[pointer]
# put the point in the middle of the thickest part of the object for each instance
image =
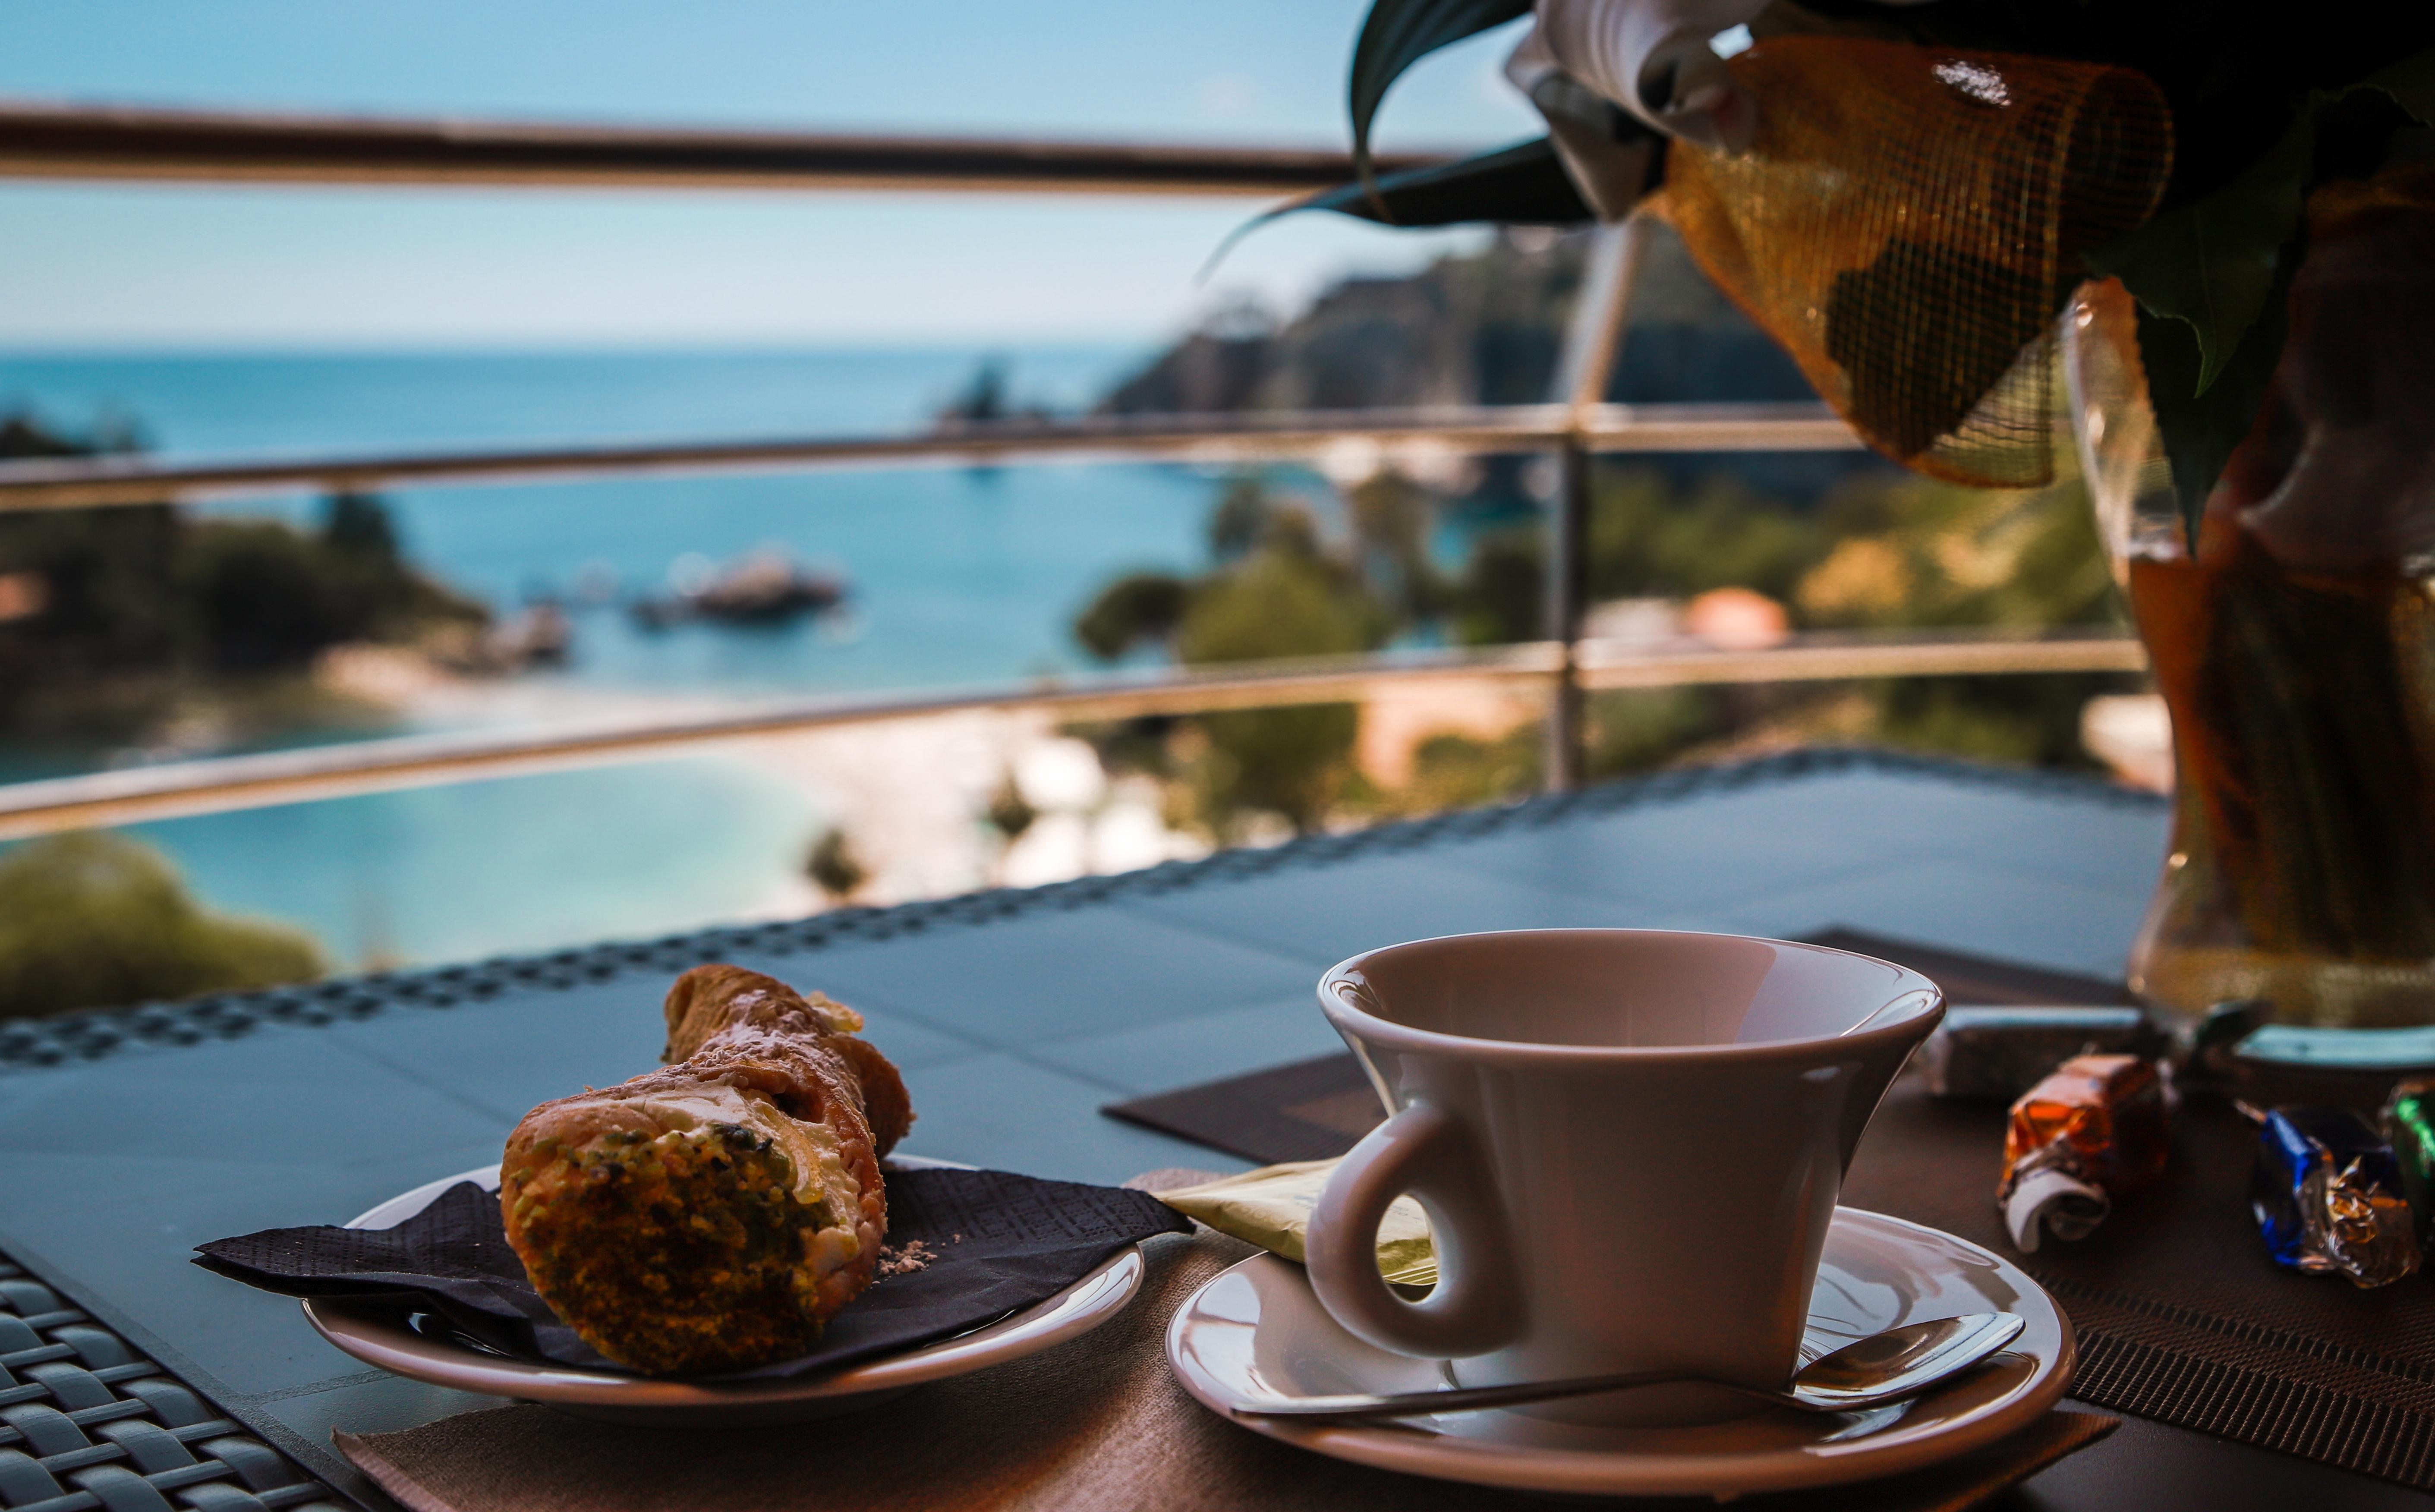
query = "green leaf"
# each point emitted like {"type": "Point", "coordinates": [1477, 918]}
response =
{"type": "Point", "coordinates": [1400, 33]}
{"type": "Point", "coordinates": [2211, 264]}
{"type": "Point", "coordinates": [1521, 185]}
{"type": "Point", "coordinates": [2411, 84]}
{"type": "Point", "coordinates": [2202, 430]}
{"type": "Point", "coordinates": [2211, 278]}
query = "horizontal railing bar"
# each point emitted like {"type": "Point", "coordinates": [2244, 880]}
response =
{"type": "Point", "coordinates": [90, 481]}
{"type": "Point", "coordinates": [220, 785]}
{"type": "Point", "coordinates": [39, 140]}
{"type": "Point", "coordinates": [1604, 664]}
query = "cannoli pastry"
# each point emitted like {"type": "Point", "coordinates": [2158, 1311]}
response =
{"type": "Point", "coordinates": [714, 1213]}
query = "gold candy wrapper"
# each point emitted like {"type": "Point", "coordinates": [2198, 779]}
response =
{"type": "Point", "coordinates": [1271, 1207]}
{"type": "Point", "coordinates": [2097, 1128]}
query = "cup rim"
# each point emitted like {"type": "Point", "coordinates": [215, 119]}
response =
{"type": "Point", "coordinates": [1336, 1001]}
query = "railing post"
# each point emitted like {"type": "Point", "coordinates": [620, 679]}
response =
{"type": "Point", "coordinates": [1582, 367]}
{"type": "Point", "coordinates": [1567, 590]}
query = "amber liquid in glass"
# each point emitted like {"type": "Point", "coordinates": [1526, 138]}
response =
{"type": "Point", "coordinates": [2303, 865]}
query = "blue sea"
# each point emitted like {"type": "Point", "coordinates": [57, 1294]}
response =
{"type": "Point", "coordinates": [960, 576]}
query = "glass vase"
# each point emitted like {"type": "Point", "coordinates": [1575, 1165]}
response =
{"type": "Point", "coordinates": [2294, 644]}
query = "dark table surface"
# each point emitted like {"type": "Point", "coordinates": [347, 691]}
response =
{"type": "Point", "coordinates": [125, 1140]}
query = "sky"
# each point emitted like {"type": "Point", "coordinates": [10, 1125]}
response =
{"type": "Point", "coordinates": [154, 267]}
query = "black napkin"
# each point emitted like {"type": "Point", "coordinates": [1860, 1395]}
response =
{"type": "Point", "coordinates": [964, 1248]}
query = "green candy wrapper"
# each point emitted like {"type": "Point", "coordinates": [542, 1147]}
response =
{"type": "Point", "coordinates": [2408, 1127]}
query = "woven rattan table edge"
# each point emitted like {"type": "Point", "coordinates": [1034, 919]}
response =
{"type": "Point", "coordinates": [331, 1478]}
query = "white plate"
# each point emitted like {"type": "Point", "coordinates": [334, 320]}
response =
{"type": "Point", "coordinates": [378, 1336]}
{"type": "Point", "coordinates": [1257, 1328]}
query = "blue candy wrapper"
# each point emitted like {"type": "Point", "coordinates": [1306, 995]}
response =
{"type": "Point", "coordinates": [2327, 1196]}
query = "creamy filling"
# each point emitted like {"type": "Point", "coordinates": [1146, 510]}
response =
{"type": "Point", "coordinates": [822, 1181]}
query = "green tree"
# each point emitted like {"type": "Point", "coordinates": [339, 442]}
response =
{"type": "Point", "coordinates": [262, 598]}
{"type": "Point", "coordinates": [1137, 608]}
{"type": "Point", "coordinates": [135, 599]}
{"type": "Point", "coordinates": [1918, 554]}
{"type": "Point", "coordinates": [1646, 538]}
{"type": "Point", "coordinates": [358, 526]}
{"type": "Point", "coordinates": [1239, 518]}
{"type": "Point", "coordinates": [1392, 517]}
{"type": "Point", "coordinates": [1453, 771]}
{"type": "Point", "coordinates": [96, 920]}
{"type": "Point", "coordinates": [834, 867]}
{"type": "Point", "coordinates": [1277, 603]}
{"type": "Point", "coordinates": [1499, 598]}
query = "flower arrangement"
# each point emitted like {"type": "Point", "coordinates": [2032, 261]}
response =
{"type": "Point", "coordinates": [2234, 201]}
{"type": "Point", "coordinates": [2225, 117]}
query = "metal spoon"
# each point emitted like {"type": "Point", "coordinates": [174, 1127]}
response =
{"type": "Point", "coordinates": [1870, 1372]}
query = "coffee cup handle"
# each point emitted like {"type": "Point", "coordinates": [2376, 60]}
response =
{"type": "Point", "coordinates": [1474, 1306]}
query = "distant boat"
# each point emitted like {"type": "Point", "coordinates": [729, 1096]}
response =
{"type": "Point", "coordinates": [538, 635]}
{"type": "Point", "coordinates": [764, 587]}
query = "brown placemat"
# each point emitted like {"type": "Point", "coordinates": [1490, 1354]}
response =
{"type": "Point", "coordinates": [2180, 1315]}
{"type": "Point", "coordinates": [1098, 1425]}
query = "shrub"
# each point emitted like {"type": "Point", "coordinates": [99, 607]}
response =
{"type": "Point", "coordinates": [834, 867]}
{"type": "Point", "coordinates": [95, 920]}
{"type": "Point", "coordinates": [1136, 609]}
{"type": "Point", "coordinates": [1276, 604]}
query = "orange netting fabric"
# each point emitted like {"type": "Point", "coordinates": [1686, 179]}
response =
{"type": "Point", "coordinates": [1909, 224]}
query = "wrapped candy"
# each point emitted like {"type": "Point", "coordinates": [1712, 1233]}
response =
{"type": "Point", "coordinates": [1995, 1055]}
{"type": "Point", "coordinates": [2096, 1130]}
{"type": "Point", "coordinates": [2327, 1196]}
{"type": "Point", "coordinates": [2408, 1124]}
{"type": "Point", "coordinates": [1271, 1207]}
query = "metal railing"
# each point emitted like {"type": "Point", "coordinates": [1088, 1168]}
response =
{"type": "Point", "coordinates": [216, 784]}
{"type": "Point", "coordinates": [43, 141]}
{"type": "Point", "coordinates": [52, 142]}
{"type": "Point", "coordinates": [87, 482]}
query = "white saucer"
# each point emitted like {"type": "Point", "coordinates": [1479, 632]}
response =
{"type": "Point", "coordinates": [378, 1336]}
{"type": "Point", "coordinates": [1258, 1329]}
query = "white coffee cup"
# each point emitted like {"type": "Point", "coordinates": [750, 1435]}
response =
{"type": "Point", "coordinates": [1629, 1144]}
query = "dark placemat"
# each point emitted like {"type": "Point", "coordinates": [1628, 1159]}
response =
{"type": "Point", "coordinates": [1313, 1110]}
{"type": "Point", "coordinates": [964, 1248]}
{"type": "Point", "coordinates": [1309, 1110]}
{"type": "Point", "coordinates": [2181, 1316]}
{"type": "Point", "coordinates": [1979, 980]}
